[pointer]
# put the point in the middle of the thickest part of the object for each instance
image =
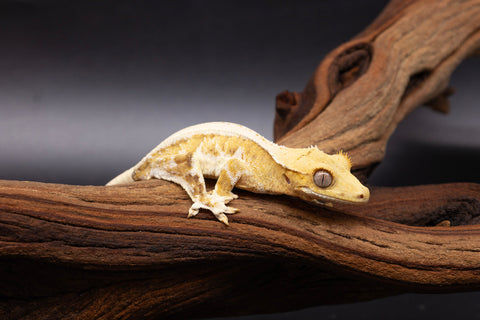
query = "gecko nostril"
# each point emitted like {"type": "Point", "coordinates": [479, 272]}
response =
{"type": "Point", "coordinates": [361, 196]}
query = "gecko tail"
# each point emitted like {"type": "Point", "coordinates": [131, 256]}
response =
{"type": "Point", "coordinates": [123, 178]}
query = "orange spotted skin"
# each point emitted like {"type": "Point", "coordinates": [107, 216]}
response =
{"type": "Point", "coordinates": [239, 157]}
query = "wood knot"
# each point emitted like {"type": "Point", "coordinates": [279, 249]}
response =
{"type": "Point", "coordinates": [289, 110]}
{"type": "Point", "coordinates": [286, 102]}
{"type": "Point", "coordinates": [439, 102]}
{"type": "Point", "coordinates": [348, 66]}
{"type": "Point", "coordinates": [415, 81]}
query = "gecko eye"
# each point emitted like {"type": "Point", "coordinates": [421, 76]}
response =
{"type": "Point", "coordinates": [322, 178]}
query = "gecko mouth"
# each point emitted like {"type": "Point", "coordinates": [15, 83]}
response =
{"type": "Point", "coordinates": [321, 198]}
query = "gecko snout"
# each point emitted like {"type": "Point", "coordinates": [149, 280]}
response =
{"type": "Point", "coordinates": [364, 195]}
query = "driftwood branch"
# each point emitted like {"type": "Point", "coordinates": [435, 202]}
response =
{"type": "Point", "coordinates": [402, 60]}
{"type": "Point", "coordinates": [112, 251]}
{"type": "Point", "coordinates": [129, 251]}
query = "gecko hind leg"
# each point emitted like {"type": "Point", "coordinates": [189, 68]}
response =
{"type": "Point", "coordinates": [216, 200]}
{"type": "Point", "coordinates": [193, 183]}
{"type": "Point", "coordinates": [229, 176]}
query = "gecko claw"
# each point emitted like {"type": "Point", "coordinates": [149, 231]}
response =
{"type": "Point", "coordinates": [193, 211]}
{"type": "Point", "coordinates": [222, 218]}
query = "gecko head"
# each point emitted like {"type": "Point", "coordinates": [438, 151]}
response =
{"type": "Point", "coordinates": [326, 179]}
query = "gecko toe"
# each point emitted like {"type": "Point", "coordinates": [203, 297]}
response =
{"type": "Point", "coordinates": [225, 198]}
{"type": "Point", "coordinates": [222, 218]}
{"type": "Point", "coordinates": [215, 204]}
{"type": "Point", "coordinates": [193, 211]}
{"type": "Point", "coordinates": [231, 210]}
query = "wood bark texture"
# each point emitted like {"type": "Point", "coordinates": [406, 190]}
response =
{"type": "Point", "coordinates": [365, 87]}
{"type": "Point", "coordinates": [128, 252]}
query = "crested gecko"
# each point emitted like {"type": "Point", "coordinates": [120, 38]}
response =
{"type": "Point", "coordinates": [239, 157]}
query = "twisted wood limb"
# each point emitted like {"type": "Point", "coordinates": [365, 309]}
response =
{"type": "Point", "coordinates": [94, 251]}
{"type": "Point", "coordinates": [129, 251]}
{"type": "Point", "coordinates": [365, 87]}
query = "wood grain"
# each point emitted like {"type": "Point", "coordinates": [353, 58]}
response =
{"type": "Point", "coordinates": [94, 246]}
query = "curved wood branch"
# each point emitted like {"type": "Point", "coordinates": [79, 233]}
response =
{"type": "Point", "coordinates": [129, 251]}
{"type": "Point", "coordinates": [137, 252]}
{"type": "Point", "coordinates": [403, 60]}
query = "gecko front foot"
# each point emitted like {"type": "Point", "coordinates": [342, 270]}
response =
{"type": "Point", "coordinates": [215, 203]}
{"type": "Point", "coordinates": [218, 211]}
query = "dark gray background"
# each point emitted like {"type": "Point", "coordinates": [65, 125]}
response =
{"type": "Point", "coordinates": [88, 87]}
